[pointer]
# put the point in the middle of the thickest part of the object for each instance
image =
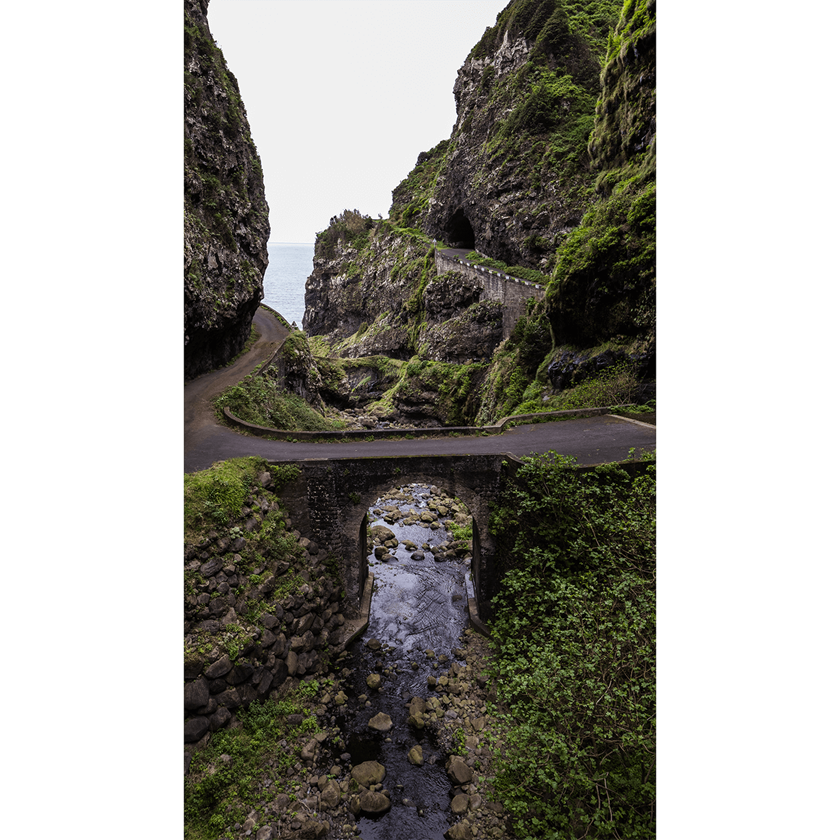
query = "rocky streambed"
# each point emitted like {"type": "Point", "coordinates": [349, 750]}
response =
{"type": "Point", "coordinates": [393, 740]}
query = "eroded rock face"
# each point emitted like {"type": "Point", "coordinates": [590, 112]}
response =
{"type": "Point", "coordinates": [225, 213]}
{"type": "Point", "coordinates": [497, 184]}
{"type": "Point", "coordinates": [366, 282]}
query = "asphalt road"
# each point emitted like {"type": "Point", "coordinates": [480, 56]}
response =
{"type": "Point", "coordinates": [592, 440]}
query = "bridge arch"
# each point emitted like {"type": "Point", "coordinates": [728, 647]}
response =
{"type": "Point", "coordinates": [452, 488]}
{"type": "Point", "coordinates": [331, 499]}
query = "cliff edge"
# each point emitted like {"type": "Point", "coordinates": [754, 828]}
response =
{"type": "Point", "coordinates": [225, 212]}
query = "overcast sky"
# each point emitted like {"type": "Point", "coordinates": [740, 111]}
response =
{"type": "Point", "coordinates": [342, 95]}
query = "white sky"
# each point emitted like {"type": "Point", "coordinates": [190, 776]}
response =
{"type": "Point", "coordinates": [342, 95]}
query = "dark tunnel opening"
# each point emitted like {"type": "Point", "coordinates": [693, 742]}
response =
{"type": "Point", "coordinates": [459, 231]}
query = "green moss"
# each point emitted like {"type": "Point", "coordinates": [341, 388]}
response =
{"type": "Point", "coordinates": [216, 495]}
{"type": "Point", "coordinates": [258, 399]}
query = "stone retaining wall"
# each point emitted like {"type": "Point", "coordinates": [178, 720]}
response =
{"type": "Point", "coordinates": [512, 292]}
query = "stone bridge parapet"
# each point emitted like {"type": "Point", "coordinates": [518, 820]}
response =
{"type": "Point", "coordinates": [330, 500]}
{"type": "Point", "coordinates": [512, 292]}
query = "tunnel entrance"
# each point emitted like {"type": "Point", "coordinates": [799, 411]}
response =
{"type": "Point", "coordinates": [459, 231]}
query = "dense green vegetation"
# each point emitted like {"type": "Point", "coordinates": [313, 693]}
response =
{"type": "Point", "coordinates": [258, 399]}
{"type": "Point", "coordinates": [413, 194]}
{"type": "Point", "coordinates": [574, 640]}
{"type": "Point", "coordinates": [349, 227]}
{"type": "Point", "coordinates": [231, 772]}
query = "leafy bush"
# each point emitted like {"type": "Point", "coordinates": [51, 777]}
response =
{"type": "Point", "coordinates": [614, 386]}
{"type": "Point", "coordinates": [350, 226]}
{"type": "Point", "coordinates": [574, 639]}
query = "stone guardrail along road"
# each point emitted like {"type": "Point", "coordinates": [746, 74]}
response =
{"type": "Point", "coordinates": [467, 467]}
{"type": "Point", "coordinates": [592, 440]}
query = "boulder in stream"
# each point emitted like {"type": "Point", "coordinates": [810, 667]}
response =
{"type": "Point", "coordinates": [415, 755]}
{"type": "Point", "coordinates": [380, 722]}
{"type": "Point", "coordinates": [368, 773]}
{"type": "Point", "coordinates": [373, 802]}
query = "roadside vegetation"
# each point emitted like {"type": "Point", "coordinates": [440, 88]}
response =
{"type": "Point", "coordinates": [258, 399]}
{"type": "Point", "coordinates": [514, 270]}
{"type": "Point", "coordinates": [574, 645]}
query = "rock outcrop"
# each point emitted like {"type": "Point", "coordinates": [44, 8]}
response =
{"type": "Point", "coordinates": [550, 168]}
{"type": "Point", "coordinates": [225, 213]}
{"type": "Point", "coordinates": [509, 181]}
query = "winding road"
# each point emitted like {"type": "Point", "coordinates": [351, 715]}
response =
{"type": "Point", "coordinates": [592, 440]}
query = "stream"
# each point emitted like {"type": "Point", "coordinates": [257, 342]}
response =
{"type": "Point", "coordinates": [418, 612]}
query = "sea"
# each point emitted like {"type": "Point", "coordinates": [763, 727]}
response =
{"type": "Point", "coordinates": [284, 283]}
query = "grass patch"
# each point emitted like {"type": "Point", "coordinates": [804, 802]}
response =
{"type": "Point", "coordinates": [257, 399]}
{"type": "Point", "coordinates": [228, 777]}
{"type": "Point", "coordinates": [214, 496]}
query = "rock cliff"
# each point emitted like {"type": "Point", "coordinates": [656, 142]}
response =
{"type": "Point", "coordinates": [225, 213]}
{"type": "Point", "coordinates": [511, 179]}
{"type": "Point", "coordinates": [550, 168]}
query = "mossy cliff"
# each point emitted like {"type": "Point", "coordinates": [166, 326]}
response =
{"type": "Point", "coordinates": [225, 213]}
{"type": "Point", "coordinates": [511, 179]}
{"type": "Point", "coordinates": [550, 166]}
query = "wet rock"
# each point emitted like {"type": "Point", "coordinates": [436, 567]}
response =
{"type": "Point", "coordinates": [415, 755]}
{"type": "Point", "coordinates": [373, 802]}
{"type": "Point", "coordinates": [368, 773]}
{"type": "Point", "coordinates": [374, 681]}
{"type": "Point", "coordinates": [417, 705]}
{"type": "Point", "coordinates": [373, 644]}
{"type": "Point", "coordinates": [460, 804]}
{"type": "Point", "coordinates": [417, 721]}
{"type": "Point", "coordinates": [380, 722]}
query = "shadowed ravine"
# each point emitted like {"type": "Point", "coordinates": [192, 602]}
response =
{"type": "Point", "coordinates": [418, 612]}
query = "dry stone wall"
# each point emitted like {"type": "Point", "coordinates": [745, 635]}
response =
{"type": "Point", "coordinates": [262, 607]}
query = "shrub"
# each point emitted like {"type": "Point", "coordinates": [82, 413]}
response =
{"type": "Point", "coordinates": [574, 639]}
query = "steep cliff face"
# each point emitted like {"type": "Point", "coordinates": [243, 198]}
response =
{"type": "Point", "coordinates": [374, 291]}
{"type": "Point", "coordinates": [511, 180]}
{"type": "Point", "coordinates": [551, 165]}
{"type": "Point", "coordinates": [604, 283]}
{"type": "Point", "coordinates": [225, 213]}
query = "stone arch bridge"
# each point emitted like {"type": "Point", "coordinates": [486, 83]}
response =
{"type": "Point", "coordinates": [329, 502]}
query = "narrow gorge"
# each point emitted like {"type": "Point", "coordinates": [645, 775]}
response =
{"type": "Point", "coordinates": [339, 681]}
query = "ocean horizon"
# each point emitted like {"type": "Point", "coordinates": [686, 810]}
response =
{"type": "Point", "coordinates": [284, 283]}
